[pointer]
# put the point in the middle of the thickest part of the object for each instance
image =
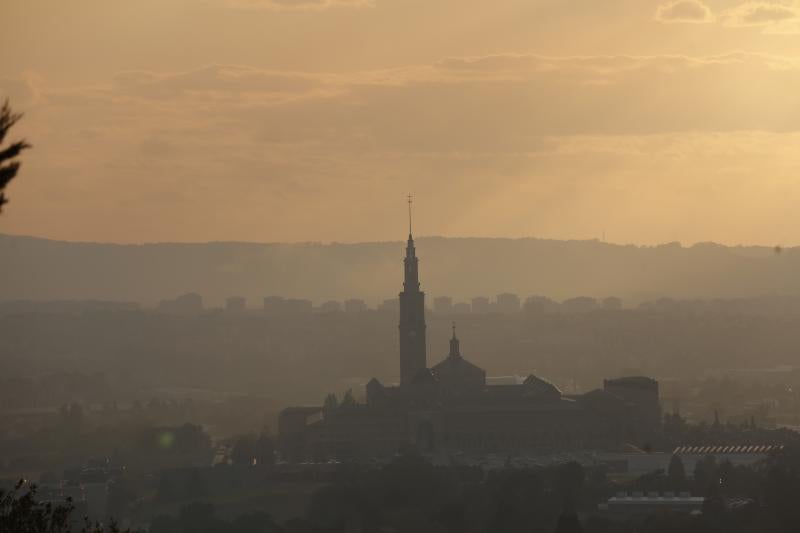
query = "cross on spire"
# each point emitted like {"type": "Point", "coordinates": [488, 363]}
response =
{"type": "Point", "coordinates": [455, 349]}
{"type": "Point", "coordinates": [409, 213]}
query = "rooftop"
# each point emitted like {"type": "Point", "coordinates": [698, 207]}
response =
{"type": "Point", "coordinates": [736, 449]}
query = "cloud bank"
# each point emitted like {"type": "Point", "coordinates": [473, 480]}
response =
{"type": "Point", "coordinates": [559, 142]}
{"type": "Point", "coordinates": [688, 11]}
{"type": "Point", "coordinates": [775, 18]}
{"type": "Point", "coordinates": [297, 5]}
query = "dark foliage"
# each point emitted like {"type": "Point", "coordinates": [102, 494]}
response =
{"type": "Point", "coordinates": [568, 523]}
{"type": "Point", "coordinates": [21, 512]}
{"type": "Point", "coordinates": [676, 471]}
{"type": "Point", "coordinates": [8, 166]}
{"type": "Point", "coordinates": [202, 518]}
{"type": "Point", "coordinates": [253, 450]}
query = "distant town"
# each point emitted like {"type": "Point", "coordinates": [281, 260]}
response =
{"type": "Point", "coordinates": [622, 411]}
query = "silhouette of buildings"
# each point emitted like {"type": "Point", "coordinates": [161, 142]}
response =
{"type": "Point", "coordinates": [331, 306]}
{"type": "Point", "coordinates": [190, 303]}
{"type": "Point", "coordinates": [480, 304]}
{"type": "Point", "coordinates": [297, 306]}
{"type": "Point", "coordinates": [443, 305]}
{"type": "Point", "coordinates": [508, 303]}
{"type": "Point", "coordinates": [279, 306]}
{"type": "Point", "coordinates": [461, 308]}
{"type": "Point", "coordinates": [235, 304]}
{"type": "Point", "coordinates": [538, 305]}
{"type": "Point", "coordinates": [450, 408]}
{"type": "Point", "coordinates": [273, 305]}
{"type": "Point", "coordinates": [355, 305]}
{"type": "Point", "coordinates": [390, 305]}
{"type": "Point", "coordinates": [581, 304]}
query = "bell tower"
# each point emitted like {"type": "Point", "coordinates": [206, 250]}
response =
{"type": "Point", "coordinates": [413, 357]}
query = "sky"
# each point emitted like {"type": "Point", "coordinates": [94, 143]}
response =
{"type": "Point", "coordinates": [637, 121]}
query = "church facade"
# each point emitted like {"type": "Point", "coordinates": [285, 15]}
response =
{"type": "Point", "coordinates": [449, 408]}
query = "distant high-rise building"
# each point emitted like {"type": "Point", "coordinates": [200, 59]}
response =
{"type": "Point", "coordinates": [391, 305]}
{"type": "Point", "coordinates": [185, 304]}
{"type": "Point", "coordinates": [443, 305]}
{"type": "Point", "coordinates": [331, 306]}
{"type": "Point", "coordinates": [297, 306]}
{"type": "Point", "coordinates": [235, 304]}
{"type": "Point", "coordinates": [480, 304]}
{"type": "Point", "coordinates": [354, 305]}
{"type": "Point", "coordinates": [581, 304]}
{"type": "Point", "coordinates": [537, 305]}
{"type": "Point", "coordinates": [273, 305]}
{"type": "Point", "coordinates": [612, 303]}
{"type": "Point", "coordinates": [507, 303]}
{"type": "Point", "coordinates": [461, 308]}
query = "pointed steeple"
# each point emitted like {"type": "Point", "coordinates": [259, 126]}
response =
{"type": "Point", "coordinates": [411, 281]}
{"type": "Point", "coordinates": [409, 217]}
{"type": "Point", "coordinates": [413, 357]}
{"type": "Point", "coordinates": [455, 345]}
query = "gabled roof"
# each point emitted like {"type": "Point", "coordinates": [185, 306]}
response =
{"type": "Point", "coordinates": [534, 385]}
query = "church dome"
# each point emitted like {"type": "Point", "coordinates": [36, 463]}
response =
{"type": "Point", "coordinates": [425, 377]}
{"type": "Point", "coordinates": [456, 372]}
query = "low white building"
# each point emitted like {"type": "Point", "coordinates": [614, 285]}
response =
{"type": "Point", "coordinates": [744, 455]}
{"type": "Point", "coordinates": [639, 503]}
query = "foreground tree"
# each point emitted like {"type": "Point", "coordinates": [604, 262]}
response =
{"type": "Point", "coordinates": [568, 523]}
{"type": "Point", "coordinates": [676, 471]}
{"type": "Point", "coordinates": [20, 512]}
{"type": "Point", "coordinates": [8, 167]}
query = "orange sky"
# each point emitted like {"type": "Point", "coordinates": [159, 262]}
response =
{"type": "Point", "coordinates": [297, 120]}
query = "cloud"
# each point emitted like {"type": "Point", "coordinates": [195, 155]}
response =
{"type": "Point", "coordinates": [760, 14]}
{"type": "Point", "coordinates": [297, 5]}
{"type": "Point", "coordinates": [215, 80]}
{"type": "Point", "coordinates": [494, 103]}
{"type": "Point", "coordinates": [774, 18]}
{"type": "Point", "coordinates": [688, 11]}
{"type": "Point", "coordinates": [262, 148]}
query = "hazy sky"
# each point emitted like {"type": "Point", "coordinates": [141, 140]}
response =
{"type": "Point", "coordinates": [294, 120]}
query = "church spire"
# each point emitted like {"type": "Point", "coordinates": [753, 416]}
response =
{"type": "Point", "coordinates": [409, 216]}
{"type": "Point", "coordinates": [411, 279]}
{"type": "Point", "coordinates": [455, 345]}
{"type": "Point", "coordinates": [413, 357]}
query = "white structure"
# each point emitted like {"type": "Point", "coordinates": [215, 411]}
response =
{"type": "Point", "coordinates": [737, 455]}
{"type": "Point", "coordinates": [637, 502]}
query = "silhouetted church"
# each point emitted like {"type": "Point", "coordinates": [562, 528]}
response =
{"type": "Point", "coordinates": [449, 408]}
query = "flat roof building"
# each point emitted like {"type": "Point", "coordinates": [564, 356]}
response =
{"type": "Point", "coordinates": [653, 502]}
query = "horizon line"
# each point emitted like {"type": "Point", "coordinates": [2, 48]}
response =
{"type": "Point", "coordinates": [401, 240]}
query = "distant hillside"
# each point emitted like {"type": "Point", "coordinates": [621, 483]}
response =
{"type": "Point", "coordinates": [32, 268]}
